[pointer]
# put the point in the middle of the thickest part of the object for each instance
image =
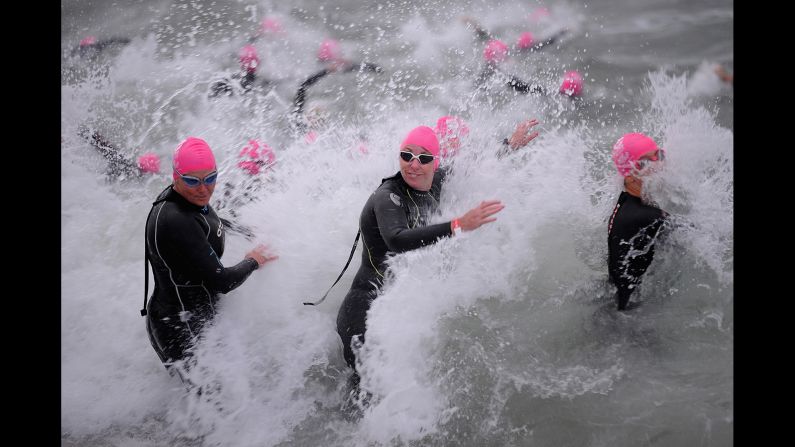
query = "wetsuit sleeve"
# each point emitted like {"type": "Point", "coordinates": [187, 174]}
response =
{"type": "Point", "coordinates": [117, 41]}
{"type": "Point", "coordinates": [219, 88]}
{"type": "Point", "coordinates": [300, 95]}
{"type": "Point", "coordinates": [190, 242]}
{"type": "Point", "coordinates": [549, 41]}
{"type": "Point", "coordinates": [523, 87]}
{"type": "Point", "coordinates": [394, 227]}
{"type": "Point", "coordinates": [365, 66]}
{"type": "Point", "coordinates": [480, 32]}
{"type": "Point", "coordinates": [117, 163]}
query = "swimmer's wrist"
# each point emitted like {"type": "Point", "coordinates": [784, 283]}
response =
{"type": "Point", "coordinates": [455, 226]}
{"type": "Point", "coordinates": [256, 264]}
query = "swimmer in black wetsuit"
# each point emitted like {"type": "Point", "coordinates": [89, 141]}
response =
{"type": "Point", "coordinates": [119, 166]}
{"type": "Point", "coordinates": [634, 225]}
{"type": "Point", "coordinates": [184, 244]}
{"type": "Point", "coordinates": [525, 43]}
{"type": "Point", "coordinates": [90, 47]}
{"type": "Point", "coordinates": [495, 52]}
{"type": "Point", "coordinates": [246, 78]}
{"type": "Point", "coordinates": [300, 122]}
{"type": "Point", "coordinates": [394, 220]}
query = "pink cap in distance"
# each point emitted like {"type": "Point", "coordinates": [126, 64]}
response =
{"type": "Point", "coordinates": [194, 154]}
{"type": "Point", "coordinates": [525, 40]}
{"type": "Point", "coordinates": [539, 14]}
{"type": "Point", "coordinates": [572, 83]}
{"type": "Point", "coordinates": [255, 156]}
{"type": "Point", "coordinates": [311, 137]}
{"type": "Point", "coordinates": [495, 52]}
{"type": "Point", "coordinates": [270, 25]}
{"type": "Point", "coordinates": [249, 60]}
{"type": "Point", "coordinates": [329, 50]}
{"type": "Point", "coordinates": [424, 137]}
{"type": "Point", "coordinates": [88, 40]}
{"type": "Point", "coordinates": [149, 162]}
{"type": "Point", "coordinates": [450, 130]}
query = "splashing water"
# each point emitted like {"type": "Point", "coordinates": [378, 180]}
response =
{"type": "Point", "coordinates": [505, 336]}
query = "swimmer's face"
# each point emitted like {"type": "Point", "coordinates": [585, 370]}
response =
{"type": "Point", "coordinates": [198, 195]}
{"type": "Point", "coordinates": [648, 163]}
{"type": "Point", "coordinates": [419, 176]}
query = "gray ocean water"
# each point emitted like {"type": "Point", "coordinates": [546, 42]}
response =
{"type": "Point", "coordinates": [505, 337]}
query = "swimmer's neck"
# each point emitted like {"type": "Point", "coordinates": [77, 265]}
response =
{"type": "Point", "coordinates": [633, 186]}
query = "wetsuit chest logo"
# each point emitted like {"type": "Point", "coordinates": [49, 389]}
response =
{"type": "Point", "coordinates": [220, 229]}
{"type": "Point", "coordinates": [395, 198]}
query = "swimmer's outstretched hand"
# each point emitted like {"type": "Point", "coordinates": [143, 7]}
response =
{"type": "Point", "coordinates": [520, 137]}
{"type": "Point", "coordinates": [480, 215]}
{"type": "Point", "coordinates": [339, 65]}
{"type": "Point", "coordinates": [261, 253]}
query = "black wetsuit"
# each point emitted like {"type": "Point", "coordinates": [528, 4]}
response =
{"type": "Point", "coordinates": [484, 35]}
{"type": "Point", "coordinates": [118, 165]}
{"type": "Point", "coordinates": [538, 46]}
{"type": "Point", "coordinates": [184, 245]}
{"type": "Point", "coordinates": [93, 49]}
{"type": "Point", "coordinates": [518, 85]}
{"type": "Point", "coordinates": [393, 220]}
{"type": "Point", "coordinates": [631, 234]}
{"type": "Point", "coordinates": [248, 82]}
{"type": "Point", "coordinates": [297, 119]}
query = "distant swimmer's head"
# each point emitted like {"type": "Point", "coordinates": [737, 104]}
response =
{"type": "Point", "coordinates": [450, 130]}
{"type": "Point", "coordinates": [149, 162]}
{"type": "Point", "coordinates": [255, 157]}
{"type": "Point", "coordinates": [572, 84]}
{"type": "Point", "coordinates": [525, 41]}
{"type": "Point", "coordinates": [495, 52]}
{"type": "Point", "coordinates": [539, 14]}
{"type": "Point", "coordinates": [195, 171]}
{"type": "Point", "coordinates": [329, 51]}
{"type": "Point", "coordinates": [249, 61]}
{"type": "Point", "coordinates": [310, 137]}
{"type": "Point", "coordinates": [271, 26]}
{"type": "Point", "coordinates": [634, 154]}
{"type": "Point", "coordinates": [88, 41]}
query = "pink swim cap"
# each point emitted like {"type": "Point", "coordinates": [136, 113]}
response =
{"type": "Point", "coordinates": [450, 130]}
{"type": "Point", "coordinates": [255, 156]}
{"type": "Point", "coordinates": [88, 40]}
{"type": "Point", "coordinates": [271, 26]}
{"type": "Point", "coordinates": [310, 137]}
{"type": "Point", "coordinates": [539, 14]}
{"type": "Point", "coordinates": [496, 51]}
{"type": "Point", "coordinates": [572, 84]}
{"type": "Point", "coordinates": [329, 50]}
{"type": "Point", "coordinates": [149, 162]}
{"type": "Point", "coordinates": [249, 60]}
{"type": "Point", "coordinates": [194, 154]}
{"type": "Point", "coordinates": [628, 149]}
{"type": "Point", "coordinates": [424, 137]}
{"type": "Point", "coordinates": [525, 40]}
